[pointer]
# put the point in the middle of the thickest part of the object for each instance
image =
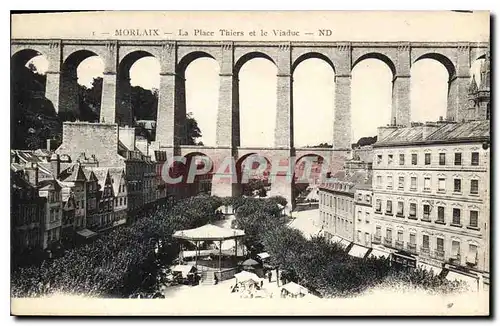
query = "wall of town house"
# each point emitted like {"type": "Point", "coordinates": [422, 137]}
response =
{"type": "Point", "coordinates": [466, 202]}
{"type": "Point", "coordinates": [337, 217]}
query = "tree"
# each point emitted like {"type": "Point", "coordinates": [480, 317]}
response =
{"type": "Point", "coordinates": [193, 132]}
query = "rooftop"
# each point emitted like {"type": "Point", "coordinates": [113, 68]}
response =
{"type": "Point", "coordinates": [439, 132]}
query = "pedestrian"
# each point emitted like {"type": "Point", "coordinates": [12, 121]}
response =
{"type": "Point", "coordinates": [269, 276]}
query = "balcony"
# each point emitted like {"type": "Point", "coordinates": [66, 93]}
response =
{"type": "Point", "coordinates": [400, 245]}
{"type": "Point", "coordinates": [455, 260]}
{"type": "Point", "coordinates": [388, 242]}
{"type": "Point", "coordinates": [411, 247]}
{"type": "Point", "coordinates": [439, 254]}
{"type": "Point", "coordinates": [377, 239]}
{"type": "Point", "coordinates": [424, 251]}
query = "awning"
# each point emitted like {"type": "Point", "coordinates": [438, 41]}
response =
{"type": "Point", "coordinates": [183, 269]}
{"type": "Point", "coordinates": [295, 289]}
{"type": "Point", "coordinates": [470, 280]}
{"type": "Point", "coordinates": [435, 270]}
{"type": "Point", "coordinates": [378, 253]}
{"type": "Point", "coordinates": [263, 255]}
{"type": "Point", "coordinates": [336, 238]}
{"type": "Point", "coordinates": [344, 243]}
{"type": "Point", "coordinates": [358, 251]}
{"type": "Point", "coordinates": [86, 233]}
{"type": "Point", "coordinates": [245, 276]}
{"type": "Point", "coordinates": [209, 232]}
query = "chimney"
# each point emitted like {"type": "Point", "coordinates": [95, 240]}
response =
{"type": "Point", "coordinates": [48, 145]}
{"type": "Point", "coordinates": [31, 173]}
{"type": "Point", "coordinates": [428, 129]}
{"type": "Point", "coordinates": [55, 164]}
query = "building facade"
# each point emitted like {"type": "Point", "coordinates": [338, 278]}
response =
{"type": "Point", "coordinates": [429, 192]}
{"type": "Point", "coordinates": [120, 196]}
{"type": "Point", "coordinates": [51, 228]}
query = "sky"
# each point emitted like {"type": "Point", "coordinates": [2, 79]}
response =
{"type": "Point", "coordinates": [314, 86]}
{"type": "Point", "coordinates": [313, 96]}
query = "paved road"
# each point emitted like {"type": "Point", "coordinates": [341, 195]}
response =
{"type": "Point", "coordinates": [307, 222]}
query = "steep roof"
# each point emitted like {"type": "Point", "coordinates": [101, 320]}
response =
{"type": "Point", "coordinates": [73, 173]}
{"type": "Point", "coordinates": [349, 182]}
{"type": "Point", "coordinates": [116, 176]}
{"type": "Point", "coordinates": [50, 184]}
{"type": "Point", "coordinates": [444, 132]}
{"type": "Point", "coordinates": [102, 175]}
{"type": "Point", "coordinates": [459, 131]}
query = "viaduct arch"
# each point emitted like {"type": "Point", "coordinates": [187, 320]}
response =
{"type": "Point", "coordinates": [175, 56]}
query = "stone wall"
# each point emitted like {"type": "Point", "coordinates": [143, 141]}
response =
{"type": "Point", "coordinates": [97, 139]}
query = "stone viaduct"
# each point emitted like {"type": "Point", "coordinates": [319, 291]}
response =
{"type": "Point", "coordinates": [118, 56]}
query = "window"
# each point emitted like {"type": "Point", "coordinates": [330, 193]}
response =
{"type": "Point", "coordinates": [401, 159]}
{"type": "Point", "coordinates": [455, 249]}
{"type": "Point", "coordinates": [367, 217]}
{"type": "Point", "coordinates": [413, 183]}
{"type": "Point", "coordinates": [367, 238]}
{"type": "Point", "coordinates": [413, 159]}
{"type": "Point", "coordinates": [400, 208]}
{"type": "Point", "coordinates": [359, 216]}
{"type": "Point", "coordinates": [442, 158]}
{"type": "Point", "coordinates": [359, 236]}
{"type": "Point", "coordinates": [379, 159]}
{"type": "Point", "coordinates": [427, 184]}
{"type": "Point", "coordinates": [388, 234]}
{"type": "Point", "coordinates": [413, 209]}
{"type": "Point", "coordinates": [457, 185]}
{"type": "Point", "coordinates": [413, 238]}
{"type": "Point", "coordinates": [474, 160]}
{"type": "Point", "coordinates": [441, 184]}
{"type": "Point", "coordinates": [389, 207]}
{"type": "Point", "coordinates": [378, 231]}
{"type": "Point", "coordinates": [458, 158]}
{"type": "Point", "coordinates": [378, 205]}
{"type": "Point", "coordinates": [389, 159]}
{"type": "Point", "coordinates": [474, 187]}
{"type": "Point", "coordinates": [472, 256]}
{"type": "Point", "coordinates": [379, 181]}
{"type": "Point", "coordinates": [427, 158]}
{"type": "Point", "coordinates": [425, 241]}
{"type": "Point", "coordinates": [389, 182]}
{"type": "Point", "coordinates": [400, 235]}
{"type": "Point", "coordinates": [401, 183]}
{"type": "Point", "coordinates": [360, 197]}
{"type": "Point", "coordinates": [367, 198]}
{"type": "Point", "coordinates": [456, 216]}
{"type": "Point", "coordinates": [440, 244]}
{"type": "Point", "coordinates": [427, 212]}
{"type": "Point", "coordinates": [473, 217]}
{"type": "Point", "coordinates": [440, 215]}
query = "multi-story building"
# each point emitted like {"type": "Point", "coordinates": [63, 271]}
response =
{"type": "Point", "coordinates": [27, 214]}
{"type": "Point", "coordinates": [74, 178]}
{"type": "Point", "coordinates": [363, 209]}
{"type": "Point", "coordinates": [103, 220]}
{"type": "Point", "coordinates": [337, 205]}
{"type": "Point", "coordinates": [430, 196]}
{"type": "Point", "coordinates": [68, 230]}
{"type": "Point", "coordinates": [91, 197]}
{"type": "Point", "coordinates": [161, 185]}
{"type": "Point", "coordinates": [51, 231]}
{"type": "Point", "coordinates": [120, 196]}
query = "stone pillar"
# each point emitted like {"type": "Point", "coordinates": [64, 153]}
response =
{"type": "Point", "coordinates": [108, 99]}
{"type": "Point", "coordinates": [281, 176]}
{"type": "Point", "coordinates": [342, 120]}
{"type": "Point", "coordinates": [280, 186]}
{"type": "Point", "coordinates": [124, 116]}
{"type": "Point", "coordinates": [283, 135]}
{"type": "Point", "coordinates": [458, 85]}
{"type": "Point", "coordinates": [401, 106]}
{"type": "Point", "coordinates": [52, 86]}
{"type": "Point", "coordinates": [68, 99]}
{"type": "Point", "coordinates": [342, 124]}
{"type": "Point", "coordinates": [228, 111]}
{"type": "Point", "coordinates": [165, 125]}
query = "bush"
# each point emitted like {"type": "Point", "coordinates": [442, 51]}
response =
{"type": "Point", "coordinates": [119, 263]}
